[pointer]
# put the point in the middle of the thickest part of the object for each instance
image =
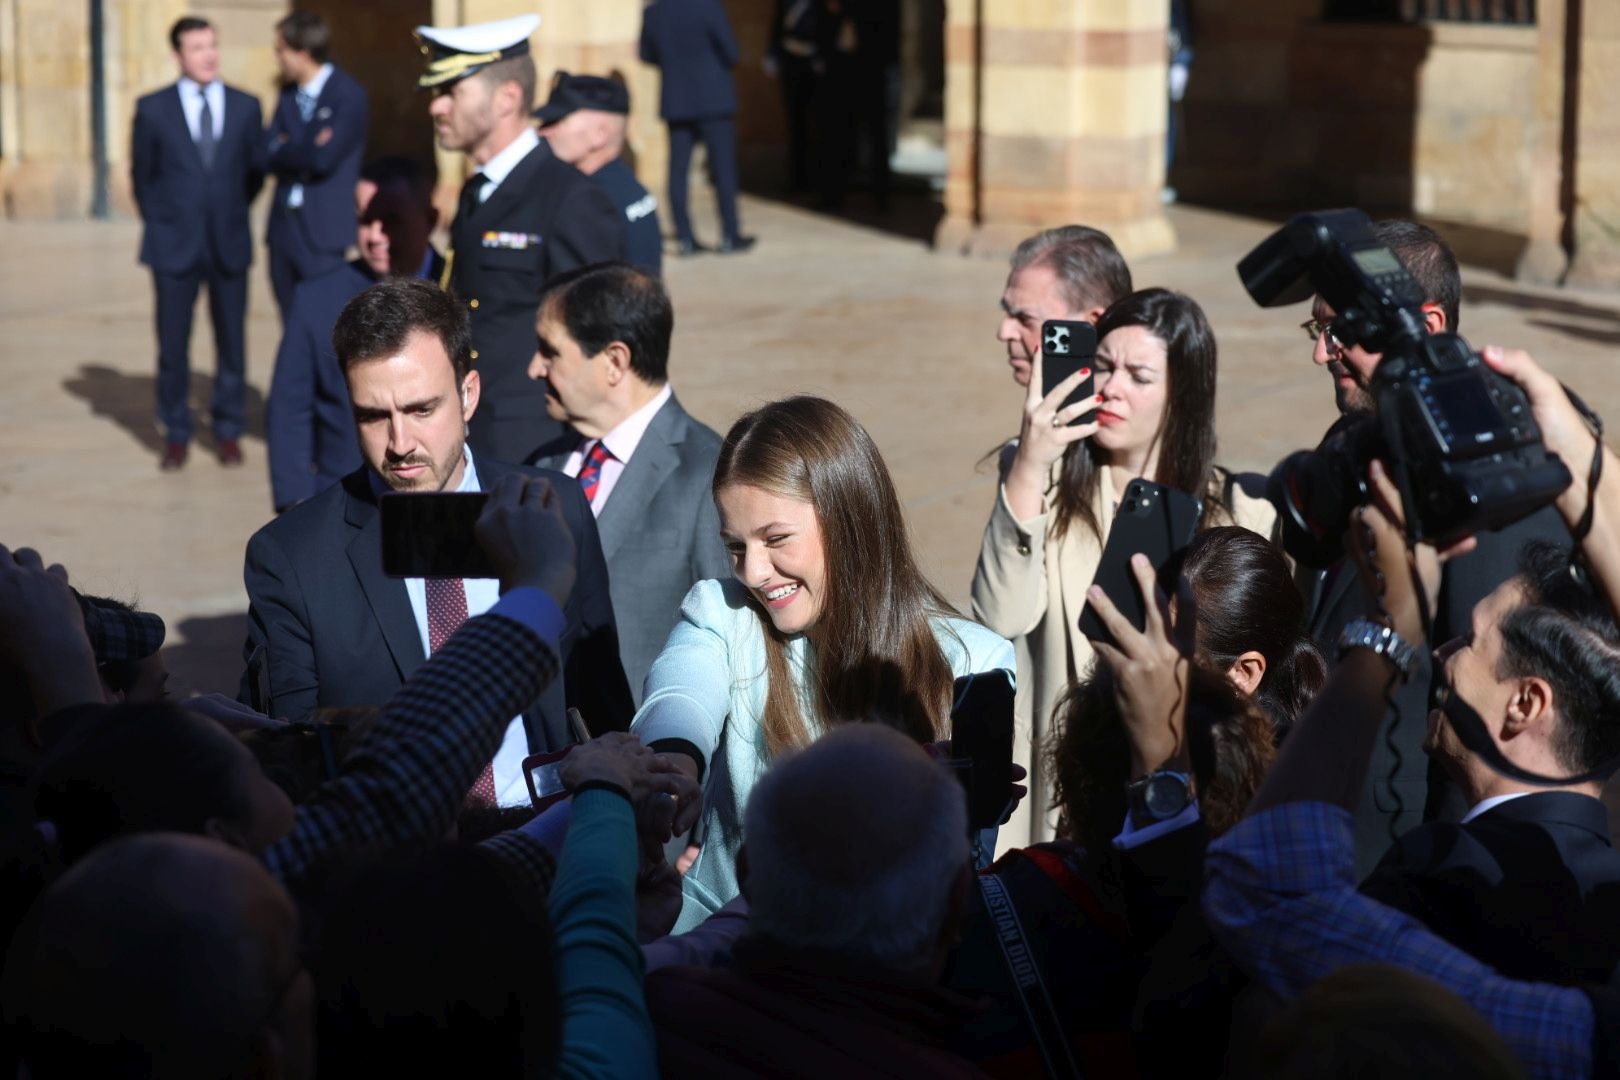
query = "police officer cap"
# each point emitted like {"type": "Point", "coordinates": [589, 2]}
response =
{"type": "Point", "coordinates": [454, 52]}
{"type": "Point", "coordinates": [571, 92]}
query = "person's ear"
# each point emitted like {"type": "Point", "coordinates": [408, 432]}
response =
{"type": "Point", "coordinates": [470, 388]}
{"type": "Point", "coordinates": [1247, 672]}
{"type": "Point", "coordinates": [742, 874]}
{"type": "Point", "coordinates": [1434, 318]}
{"type": "Point", "coordinates": [1093, 315]}
{"type": "Point", "coordinates": [1530, 706]}
{"type": "Point", "coordinates": [616, 358]}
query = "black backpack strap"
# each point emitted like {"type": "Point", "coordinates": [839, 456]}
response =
{"type": "Point", "coordinates": [1025, 970]}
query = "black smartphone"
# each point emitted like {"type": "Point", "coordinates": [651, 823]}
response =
{"type": "Point", "coordinates": [1154, 520]}
{"type": "Point", "coordinates": [982, 737]}
{"type": "Point", "coordinates": [431, 536]}
{"type": "Point", "coordinates": [1066, 347]}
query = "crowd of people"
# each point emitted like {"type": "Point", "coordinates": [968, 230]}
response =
{"type": "Point", "coordinates": [671, 789]}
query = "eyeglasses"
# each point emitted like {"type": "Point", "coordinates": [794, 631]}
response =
{"type": "Point", "coordinates": [1315, 328]}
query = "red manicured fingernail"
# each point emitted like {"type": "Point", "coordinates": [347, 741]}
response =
{"type": "Point", "coordinates": [1085, 371]}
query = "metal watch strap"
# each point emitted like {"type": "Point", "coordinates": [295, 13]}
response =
{"type": "Point", "coordinates": [1366, 634]}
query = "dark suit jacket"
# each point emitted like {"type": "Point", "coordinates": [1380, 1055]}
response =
{"type": "Point", "coordinates": [328, 173]}
{"type": "Point", "coordinates": [577, 224]}
{"type": "Point", "coordinates": [327, 627]}
{"type": "Point", "coordinates": [1399, 782]}
{"type": "Point", "coordinates": [660, 532]}
{"type": "Point", "coordinates": [192, 214]}
{"type": "Point", "coordinates": [1531, 887]}
{"type": "Point", "coordinates": [692, 44]}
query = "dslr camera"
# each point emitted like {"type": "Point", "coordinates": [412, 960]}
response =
{"type": "Point", "coordinates": [1458, 438]}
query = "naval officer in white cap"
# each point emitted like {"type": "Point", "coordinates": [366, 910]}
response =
{"type": "Point", "coordinates": [523, 216]}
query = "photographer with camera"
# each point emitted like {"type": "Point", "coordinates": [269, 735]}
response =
{"type": "Point", "coordinates": [1402, 790]}
{"type": "Point", "coordinates": [1280, 889]}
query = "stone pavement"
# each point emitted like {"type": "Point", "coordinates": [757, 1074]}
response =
{"type": "Point", "coordinates": [900, 335]}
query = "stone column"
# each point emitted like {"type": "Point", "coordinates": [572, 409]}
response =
{"type": "Point", "coordinates": [1596, 214]}
{"type": "Point", "coordinates": [1544, 259]}
{"type": "Point", "coordinates": [45, 156]}
{"type": "Point", "coordinates": [1055, 114]}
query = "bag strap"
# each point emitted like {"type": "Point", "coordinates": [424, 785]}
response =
{"type": "Point", "coordinates": [1050, 1041]}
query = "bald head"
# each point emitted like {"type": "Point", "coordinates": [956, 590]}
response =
{"type": "Point", "coordinates": [854, 846]}
{"type": "Point", "coordinates": [164, 954]}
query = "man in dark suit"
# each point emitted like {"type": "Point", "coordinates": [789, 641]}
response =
{"type": "Point", "coordinates": [523, 216]}
{"type": "Point", "coordinates": [1528, 882]}
{"type": "Point", "coordinates": [317, 138]}
{"type": "Point", "coordinates": [308, 423]}
{"type": "Point", "coordinates": [197, 161]}
{"type": "Point", "coordinates": [327, 627]}
{"type": "Point", "coordinates": [644, 464]}
{"type": "Point", "coordinates": [691, 43]}
{"type": "Point", "coordinates": [584, 121]}
{"type": "Point", "coordinates": [1402, 790]}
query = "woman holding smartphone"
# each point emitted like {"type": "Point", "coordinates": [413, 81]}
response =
{"type": "Point", "coordinates": [827, 621]}
{"type": "Point", "coordinates": [1153, 417]}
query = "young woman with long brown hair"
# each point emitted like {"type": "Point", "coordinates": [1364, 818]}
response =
{"type": "Point", "coordinates": [827, 621]}
{"type": "Point", "coordinates": [1153, 417]}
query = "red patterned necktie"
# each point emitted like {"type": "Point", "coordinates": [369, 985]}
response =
{"type": "Point", "coordinates": [590, 473]}
{"type": "Point", "coordinates": [446, 610]}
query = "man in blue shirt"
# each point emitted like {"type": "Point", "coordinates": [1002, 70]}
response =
{"type": "Point", "coordinates": [308, 423]}
{"type": "Point", "coordinates": [584, 120]}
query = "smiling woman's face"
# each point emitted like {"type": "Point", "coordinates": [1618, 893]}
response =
{"type": "Point", "coordinates": [776, 551]}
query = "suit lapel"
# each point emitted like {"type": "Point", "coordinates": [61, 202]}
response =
{"type": "Point", "coordinates": [177, 109]}
{"type": "Point", "coordinates": [390, 603]}
{"type": "Point", "coordinates": [512, 189]}
{"type": "Point", "coordinates": [643, 474]}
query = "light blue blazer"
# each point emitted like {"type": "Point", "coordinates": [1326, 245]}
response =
{"type": "Point", "coordinates": [708, 687]}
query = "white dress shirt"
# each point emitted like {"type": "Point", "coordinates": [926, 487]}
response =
{"type": "Point", "coordinates": [621, 443]}
{"type": "Point", "coordinates": [511, 789]}
{"type": "Point", "coordinates": [1487, 805]}
{"type": "Point", "coordinates": [500, 166]}
{"type": "Point", "coordinates": [313, 88]}
{"type": "Point", "coordinates": [191, 100]}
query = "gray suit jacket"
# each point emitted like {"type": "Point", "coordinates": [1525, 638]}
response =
{"type": "Point", "coordinates": [660, 532]}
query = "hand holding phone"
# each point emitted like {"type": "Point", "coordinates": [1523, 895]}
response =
{"type": "Point", "coordinates": [1067, 347]}
{"type": "Point", "coordinates": [1152, 520]}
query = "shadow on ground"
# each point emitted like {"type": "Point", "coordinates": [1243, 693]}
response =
{"type": "Point", "coordinates": [1575, 318]}
{"type": "Point", "coordinates": [130, 401]}
{"type": "Point", "coordinates": [205, 654]}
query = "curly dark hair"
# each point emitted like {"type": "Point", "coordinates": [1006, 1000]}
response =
{"type": "Point", "coordinates": [1229, 739]}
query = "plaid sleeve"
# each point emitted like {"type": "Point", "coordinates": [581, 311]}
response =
{"type": "Point", "coordinates": [526, 860]}
{"type": "Point", "coordinates": [1280, 895]}
{"type": "Point", "coordinates": [408, 775]}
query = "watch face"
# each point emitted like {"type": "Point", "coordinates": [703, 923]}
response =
{"type": "Point", "coordinates": [1165, 796]}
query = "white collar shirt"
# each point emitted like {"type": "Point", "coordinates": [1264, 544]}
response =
{"type": "Point", "coordinates": [500, 166]}
{"type": "Point", "coordinates": [1485, 806]}
{"type": "Point", "coordinates": [621, 443]}
{"type": "Point", "coordinates": [192, 94]}
{"type": "Point", "coordinates": [510, 787]}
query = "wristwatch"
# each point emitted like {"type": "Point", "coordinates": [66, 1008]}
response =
{"type": "Point", "coordinates": [1366, 634]}
{"type": "Point", "coordinates": [1159, 796]}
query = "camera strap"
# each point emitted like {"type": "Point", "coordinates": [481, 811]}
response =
{"type": "Point", "coordinates": [1024, 968]}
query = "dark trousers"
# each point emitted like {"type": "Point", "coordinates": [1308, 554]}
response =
{"type": "Point", "coordinates": [719, 137]}
{"type": "Point", "coordinates": [227, 310]}
{"type": "Point", "coordinates": [293, 259]}
{"type": "Point", "coordinates": [798, 79]}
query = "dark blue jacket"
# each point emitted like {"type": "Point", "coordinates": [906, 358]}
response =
{"type": "Point", "coordinates": [640, 210]}
{"type": "Point", "coordinates": [192, 213]}
{"type": "Point", "coordinates": [327, 627]}
{"type": "Point", "coordinates": [328, 172]}
{"type": "Point", "coordinates": [691, 42]}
